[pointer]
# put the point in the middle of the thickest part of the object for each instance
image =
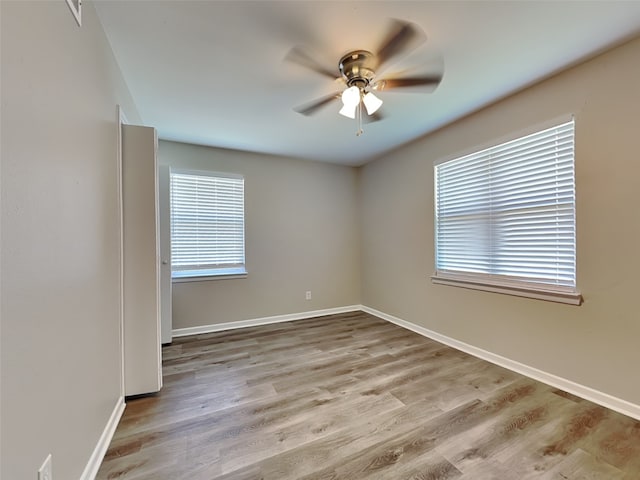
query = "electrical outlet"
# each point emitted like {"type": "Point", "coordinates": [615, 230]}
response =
{"type": "Point", "coordinates": [44, 472]}
{"type": "Point", "coordinates": [308, 295]}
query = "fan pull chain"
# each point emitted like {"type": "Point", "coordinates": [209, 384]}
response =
{"type": "Point", "coordinates": [359, 117]}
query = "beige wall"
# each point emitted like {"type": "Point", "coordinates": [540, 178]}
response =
{"type": "Point", "coordinates": [301, 233]}
{"type": "Point", "coordinates": [595, 344]}
{"type": "Point", "coordinates": [60, 237]}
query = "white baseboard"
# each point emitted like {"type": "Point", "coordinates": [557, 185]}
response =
{"type": "Point", "coordinates": [253, 322]}
{"type": "Point", "coordinates": [91, 470]}
{"type": "Point", "coordinates": [595, 396]}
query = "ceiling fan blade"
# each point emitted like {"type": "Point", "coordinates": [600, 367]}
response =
{"type": "Point", "coordinates": [313, 107]}
{"type": "Point", "coordinates": [430, 81]}
{"type": "Point", "coordinates": [299, 56]}
{"type": "Point", "coordinates": [402, 38]}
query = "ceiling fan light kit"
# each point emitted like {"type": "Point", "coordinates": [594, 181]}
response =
{"type": "Point", "coordinates": [357, 71]}
{"type": "Point", "coordinates": [352, 100]}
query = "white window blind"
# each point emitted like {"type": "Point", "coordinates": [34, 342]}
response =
{"type": "Point", "coordinates": [207, 224]}
{"type": "Point", "coordinates": [506, 214]}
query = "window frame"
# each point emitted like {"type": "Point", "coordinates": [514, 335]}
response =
{"type": "Point", "coordinates": [203, 273]}
{"type": "Point", "coordinates": [518, 286]}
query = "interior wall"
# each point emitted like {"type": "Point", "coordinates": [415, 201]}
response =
{"type": "Point", "coordinates": [60, 344]}
{"type": "Point", "coordinates": [301, 234]}
{"type": "Point", "coordinates": [595, 344]}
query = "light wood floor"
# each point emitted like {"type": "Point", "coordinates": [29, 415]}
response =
{"type": "Point", "coordinates": [354, 397]}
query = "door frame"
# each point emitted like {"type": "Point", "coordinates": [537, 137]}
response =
{"type": "Point", "coordinates": [121, 120]}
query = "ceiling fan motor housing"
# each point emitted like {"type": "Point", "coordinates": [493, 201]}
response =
{"type": "Point", "coordinates": [356, 68]}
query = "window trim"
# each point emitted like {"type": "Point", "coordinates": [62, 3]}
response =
{"type": "Point", "coordinates": [497, 283]}
{"type": "Point", "coordinates": [528, 290]}
{"type": "Point", "coordinates": [222, 272]}
{"type": "Point", "coordinates": [208, 274]}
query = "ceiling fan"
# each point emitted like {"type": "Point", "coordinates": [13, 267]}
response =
{"type": "Point", "coordinates": [358, 73]}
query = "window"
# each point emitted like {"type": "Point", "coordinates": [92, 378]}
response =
{"type": "Point", "coordinates": [207, 224]}
{"type": "Point", "coordinates": [505, 217]}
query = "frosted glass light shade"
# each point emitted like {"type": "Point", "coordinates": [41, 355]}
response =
{"type": "Point", "coordinates": [350, 101]}
{"type": "Point", "coordinates": [371, 103]}
{"type": "Point", "coordinates": [351, 96]}
{"type": "Point", "coordinates": [349, 110]}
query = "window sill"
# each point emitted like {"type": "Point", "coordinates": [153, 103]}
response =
{"type": "Point", "coordinates": [533, 291]}
{"type": "Point", "coordinates": [208, 275]}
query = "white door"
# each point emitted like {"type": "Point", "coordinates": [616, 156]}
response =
{"type": "Point", "coordinates": [142, 353]}
{"type": "Point", "coordinates": [165, 254]}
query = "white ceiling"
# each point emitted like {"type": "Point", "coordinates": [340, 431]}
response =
{"type": "Point", "coordinates": [213, 72]}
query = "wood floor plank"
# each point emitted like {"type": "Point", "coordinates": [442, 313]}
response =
{"type": "Point", "coordinates": [349, 397]}
{"type": "Point", "coordinates": [584, 466]}
{"type": "Point", "coordinates": [312, 458]}
{"type": "Point", "coordinates": [505, 436]}
{"type": "Point", "coordinates": [303, 429]}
